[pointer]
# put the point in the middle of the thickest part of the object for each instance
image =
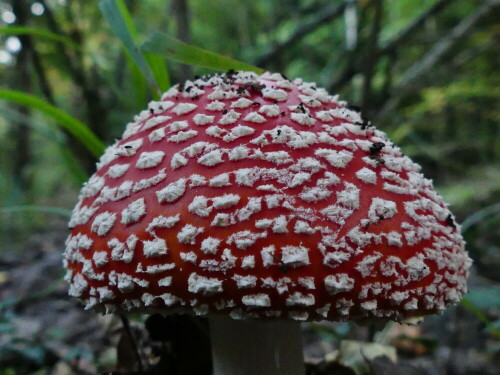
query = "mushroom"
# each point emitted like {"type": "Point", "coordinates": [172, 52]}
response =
{"type": "Point", "coordinates": [261, 202]}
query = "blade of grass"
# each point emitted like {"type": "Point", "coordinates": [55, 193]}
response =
{"type": "Point", "coordinates": [484, 297]}
{"type": "Point", "coordinates": [41, 209]}
{"type": "Point", "coordinates": [482, 317]}
{"type": "Point", "coordinates": [127, 17]}
{"type": "Point", "coordinates": [34, 31]}
{"type": "Point", "coordinates": [139, 83]}
{"type": "Point", "coordinates": [50, 36]}
{"type": "Point", "coordinates": [479, 216]}
{"type": "Point", "coordinates": [74, 168]}
{"type": "Point", "coordinates": [155, 64]}
{"type": "Point", "coordinates": [120, 20]}
{"type": "Point", "coordinates": [159, 70]}
{"type": "Point", "coordinates": [122, 26]}
{"type": "Point", "coordinates": [77, 128]}
{"type": "Point", "coordinates": [173, 49]}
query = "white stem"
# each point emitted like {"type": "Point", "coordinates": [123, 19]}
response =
{"type": "Point", "coordinates": [249, 347]}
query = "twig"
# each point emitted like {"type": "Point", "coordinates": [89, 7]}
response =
{"type": "Point", "coordinates": [76, 70]}
{"type": "Point", "coordinates": [324, 16]}
{"type": "Point", "coordinates": [77, 75]}
{"type": "Point", "coordinates": [126, 326]}
{"type": "Point", "coordinates": [344, 78]}
{"type": "Point", "coordinates": [29, 46]}
{"type": "Point", "coordinates": [94, 109]}
{"type": "Point", "coordinates": [356, 65]}
{"type": "Point", "coordinates": [40, 73]}
{"type": "Point", "coordinates": [351, 25]}
{"type": "Point", "coordinates": [388, 79]}
{"type": "Point", "coordinates": [371, 58]}
{"type": "Point", "coordinates": [408, 82]}
{"type": "Point", "coordinates": [22, 135]}
{"type": "Point", "coordinates": [479, 216]}
{"type": "Point", "coordinates": [444, 44]}
{"type": "Point", "coordinates": [410, 29]}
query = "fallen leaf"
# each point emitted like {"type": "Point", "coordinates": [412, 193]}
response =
{"type": "Point", "coordinates": [357, 354]}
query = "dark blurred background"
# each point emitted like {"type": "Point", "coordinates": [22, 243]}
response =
{"type": "Point", "coordinates": [424, 71]}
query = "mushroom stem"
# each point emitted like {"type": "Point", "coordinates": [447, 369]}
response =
{"type": "Point", "coordinates": [247, 347]}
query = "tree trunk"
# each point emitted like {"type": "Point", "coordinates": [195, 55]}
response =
{"type": "Point", "coordinates": [21, 134]}
{"type": "Point", "coordinates": [180, 9]}
{"type": "Point", "coordinates": [371, 59]}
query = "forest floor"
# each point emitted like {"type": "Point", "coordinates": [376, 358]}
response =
{"type": "Point", "coordinates": [43, 331]}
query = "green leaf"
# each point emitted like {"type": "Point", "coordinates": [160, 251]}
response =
{"type": "Point", "coordinates": [139, 83]}
{"type": "Point", "coordinates": [173, 49]}
{"type": "Point", "coordinates": [127, 18]}
{"type": "Point", "coordinates": [121, 23]}
{"type": "Point", "coordinates": [156, 64]}
{"type": "Point", "coordinates": [479, 301]}
{"type": "Point", "coordinates": [54, 135]}
{"type": "Point", "coordinates": [485, 297]}
{"type": "Point", "coordinates": [7, 304]}
{"type": "Point", "coordinates": [479, 217]}
{"type": "Point", "coordinates": [6, 328]}
{"type": "Point", "coordinates": [35, 353]}
{"type": "Point", "coordinates": [72, 164]}
{"type": "Point", "coordinates": [34, 31]}
{"type": "Point", "coordinates": [355, 354]}
{"type": "Point", "coordinates": [159, 70]}
{"type": "Point", "coordinates": [42, 33]}
{"type": "Point", "coordinates": [120, 20]}
{"type": "Point", "coordinates": [78, 129]}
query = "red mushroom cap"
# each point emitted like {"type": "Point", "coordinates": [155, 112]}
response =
{"type": "Point", "coordinates": [260, 197]}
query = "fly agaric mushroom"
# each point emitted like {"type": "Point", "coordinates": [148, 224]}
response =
{"type": "Point", "coordinates": [261, 198]}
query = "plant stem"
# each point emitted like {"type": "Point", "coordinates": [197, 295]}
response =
{"type": "Point", "coordinates": [247, 347]}
{"type": "Point", "coordinates": [126, 326]}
